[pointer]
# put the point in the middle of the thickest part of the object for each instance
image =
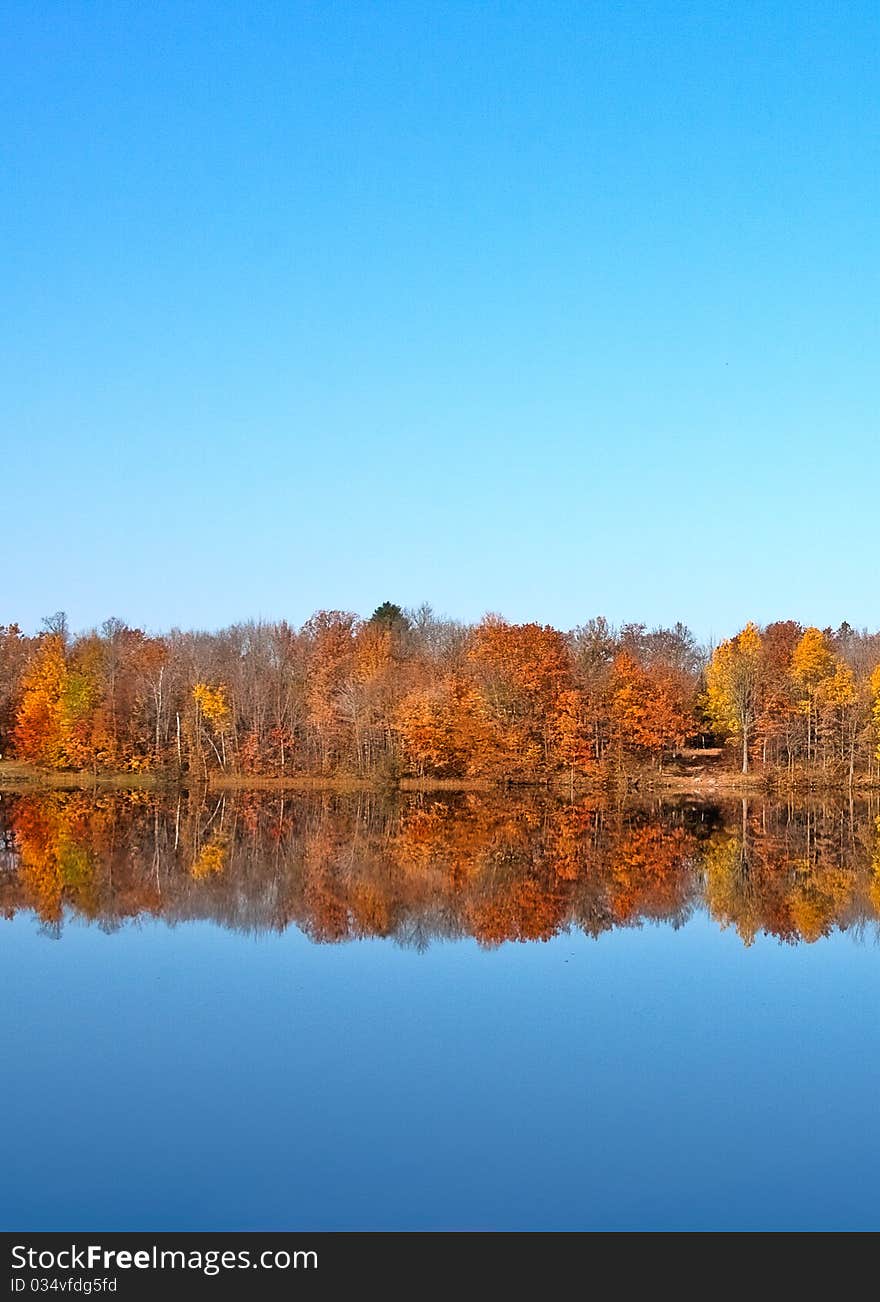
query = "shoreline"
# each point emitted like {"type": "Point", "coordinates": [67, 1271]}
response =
{"type": "Point", "coordinates": [723, 784]}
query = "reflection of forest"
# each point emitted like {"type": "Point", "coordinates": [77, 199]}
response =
{"type": "Point", "coordinates": [417, 868]}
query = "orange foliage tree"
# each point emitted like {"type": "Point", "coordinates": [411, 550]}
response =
{"type": "Point", "coordinates": [649, 711]}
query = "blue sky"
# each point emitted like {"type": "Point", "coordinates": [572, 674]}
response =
{"type": "Point", "coordinates": [550, 309]}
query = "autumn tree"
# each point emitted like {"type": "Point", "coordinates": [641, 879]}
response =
{"type": "Point", "coordinates": [812, 662]}
{"type": "Point", "coordinates": [15, 653]}
{"type": "Point", "coordinates": [732, 684]}
{"type": "Point", "coordinates": [520, 670]}
{"type": "Point", "coordinates": [444, 730]}
{"type": "Point", "coordinates": [213, 717]}
{"type": "Point", "coordinates": [875, 707]}
{"type": "Point", "coordinates": [574, 739]}
{"type": "Point", "coordinates": [837, 714]}
{"type": "Point", "coordinates": [776, 719]}
{"type": "Point", "coordinates": [366, 698]}
{"type": "Point", "coordinates": [594, 646]}
{"type": "Point", "coordinates": [330, 650]}
{"type": "Point", "coordinates": [153, 683]}
{"type": "Point", "coordinates": [649, 714]}
{"type": "Point", "coordinates": [39, 728]}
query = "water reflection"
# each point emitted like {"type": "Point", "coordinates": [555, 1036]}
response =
{"type": "Point", "coordinates": [421, 868]}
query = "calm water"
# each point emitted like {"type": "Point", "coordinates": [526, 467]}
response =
{"type": "Point", "coordinates": [328, 1013]}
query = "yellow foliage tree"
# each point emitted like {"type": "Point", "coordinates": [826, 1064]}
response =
{"type": "Point", "coordinates": [812, 659]}
{"type": "Point", "coordinates": [875, 695]}
{"type": "Point", "coordinates": [732, 686]}
{"type": "Point", "coordinates": [212, 705]}
{"type": "Point", "coordinates": [812, 662]}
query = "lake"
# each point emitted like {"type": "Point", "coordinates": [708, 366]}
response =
{"type": "Point", "coordinates": [322, 1011]}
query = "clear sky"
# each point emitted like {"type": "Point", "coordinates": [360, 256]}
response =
{"type": "Point", "coordinates": [545, 308]}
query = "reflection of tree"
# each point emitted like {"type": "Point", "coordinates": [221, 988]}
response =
{"type": "Point", "coordinates": [212, 857]}
{"type": "Point", "coordinates": [86, 853]}
{"type": "Point", "coordinates": [37, 837]}
{"type": "Point", "coordinates": [417, 868]}
{"type": "Point", "coordinates": [514, 905]}
{"type": "Point", "coordinates": [793, 873]}
{"type": "Point", "coordinates": [729, 887]}
{"type": "Point", "coordinates": [874, 888]}
{"type": "Point", "coordinates": [650, 872]}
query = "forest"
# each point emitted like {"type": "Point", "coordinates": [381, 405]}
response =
{"type": "Point", "coordinates": [405, 694]}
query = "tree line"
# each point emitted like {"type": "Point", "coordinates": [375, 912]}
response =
{"type": "Point", "coordinates": [409, 694]}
